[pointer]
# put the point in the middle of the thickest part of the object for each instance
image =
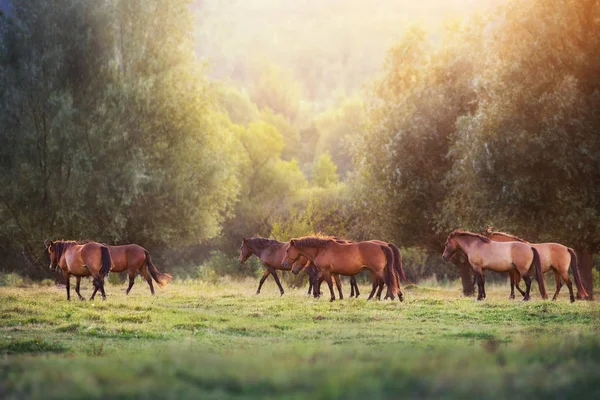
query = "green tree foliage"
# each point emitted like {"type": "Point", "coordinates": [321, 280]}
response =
{"type": "Point", "coordinates": [324, 171]}
{"type": "Point", "coordinates": [278, 91]}
{"type": "Point", "coordinates": [107, 126]}
{"type": "Point", "coordinates": [402, 158]}
{"type": "Point", "coordinates": [529, 157]}
{"type": "Point", "coordinates": [337, 127]}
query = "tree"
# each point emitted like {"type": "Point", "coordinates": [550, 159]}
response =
{"type": "Point", "coordinates": [528, 159]}
{"type": "Point", "coordinates": [324, 172]}
{"type": "Point", "coordinates": [110, 128]}
{"type": "Point", "coordinates": [402, 158]}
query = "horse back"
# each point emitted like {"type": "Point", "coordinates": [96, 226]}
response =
{"type": "Point", "coordinates": [125, 256]}
{"type": "Point", "coordinates": [274, 255]}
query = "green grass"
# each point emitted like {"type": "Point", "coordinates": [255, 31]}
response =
{"type": "Point", "coordinates": [199, 340]}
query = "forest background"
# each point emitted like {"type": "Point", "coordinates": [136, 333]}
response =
{"type": "Point", "coordinates": [185, 126]}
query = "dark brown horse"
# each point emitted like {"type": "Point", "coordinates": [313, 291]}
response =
{"type": "Point", "coordinates": [332, 257]}
{"type": "Point", "coordinates": [502, 257]}
{"type": "Point", "coordinates": [89, 259]}
{"type": "Point", "coordinates": [553, 256]}
{"type": "Point", "coordinates": [270, 252]}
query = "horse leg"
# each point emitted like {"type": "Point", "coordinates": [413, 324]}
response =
{"type": "Point", "coordinates": [558, 282]}
{"type": "Point", "coordinates": [565, 276]}
{"type": "Point", "coordinates": [310, 285]}
{"type": "Point", "coordinates": [147, 277]}
{"type": "Point", "coordinates": [68, 285]}
{"type": "Point", "coordinates": [95, 289]}
{"type": "Point", "coordinates": [78, 278]}
{"type": "Point", "coordinates": [317, 286]}
{"type": "Point", "coordinates": [262, 280]}
{"type": "Point", "coordinates": [338, 284]}
{"type": "Point", "coordinates": [480, 285]}
{"type": "Point", "coordinates": [374, 282]}
{"type": "Point", "coordinates": [517, 281]}
{"type": "Point", "coordinates": [131, 275]}
{"type": "Point", "coordinates": [511, 276]}
{"type": "Point", "coordinates": [380, 283]}
{"type": "Point", "coordinates": [351, 287]}
{"type": "Point", "coordinates": [527, 280]}
{"type": "Point", "coordinates": [274, 273]}
{"type": "Point", "coordinates": [327, 278]}
{"type": "Point", "coordinates": [353, 283]}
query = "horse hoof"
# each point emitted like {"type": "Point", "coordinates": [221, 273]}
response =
{"type": "Point", "coordinates": [511, 297]}
{"type": "Point", "coordinates": [331, 300]}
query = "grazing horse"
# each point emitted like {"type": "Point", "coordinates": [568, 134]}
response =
{"type": "Point", "coordinates": [553, 256]}
{"type": "Point", "coordinates": [332, 257]}
{"type": "Point", "coordinates": [497, 256]}
{"type": "Point", "coordinates": [81, 260]}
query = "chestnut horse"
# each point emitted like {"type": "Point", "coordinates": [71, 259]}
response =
{"type": "Point", "coordinates": [497, 256]}
{"type": "Point", "coordinates": [333, 257]}
{"type": "Point", "coordinates": [89, 259]}
{"type": "Point", "coordinates": [133, 258]}
{"type": "Point", "coordinates": [270, 252]}
{"type": "Point", "coordinates": [553, 256]}
{"type": "Point", "coordinates": [376, 283]}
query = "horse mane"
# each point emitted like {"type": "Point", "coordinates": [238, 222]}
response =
{"type": "Point", "coordinates": [460, 232]}
{"type": "Point", "coordinates": [489, 231]}
{"type": "Point", "coordinates": [60, 246]}
{"type": "Point", "coordinates": [260, 243]}
{"type": "Point", "coordinates": [314, 241]}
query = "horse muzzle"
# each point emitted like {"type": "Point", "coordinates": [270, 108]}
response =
{"type": "Point", "coordinates": [285, 264]}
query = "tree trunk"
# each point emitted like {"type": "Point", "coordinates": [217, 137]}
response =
{"type": "Point", "coordinates": [586, 265]}
{"type": "Point", "coordinates": [466, 274]}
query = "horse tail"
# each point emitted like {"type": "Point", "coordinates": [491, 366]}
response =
{"type": "Point", "coordinates": [389, 276]}
{"type": "Point", "coordinates": [398, 262]}
{"type": "Point", "coordinates": [106, 261]}
{"type": "Point", "coordinates": [539, 275]}
{"type": "Point", "coordinates": [581, 292]}
{"type": "Point", "coordinates": [160, 278]}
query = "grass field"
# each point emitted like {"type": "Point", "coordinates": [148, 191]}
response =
{"type": "Point", "coordinates": [198, 340]}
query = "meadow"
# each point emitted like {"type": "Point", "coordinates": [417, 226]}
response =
{"type": "Point", "coordinates": [220, 340]}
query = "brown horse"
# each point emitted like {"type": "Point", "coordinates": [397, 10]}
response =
{"type": "Point", "coordinates": [397, 270]}
{"type": "Point", "coordinates": [89, 259]}
{"type": "Point", "coordinates": [497, 256]}
{"type": "Point", "coordinates": [133, 258]}
{"type": "Point", "coordinates": [332, 257]}
{"type": "Point", "coordinates": [553, 256]}
{"type": "Point", "coordinates": [270, 252]}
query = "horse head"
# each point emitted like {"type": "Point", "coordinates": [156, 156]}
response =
{"type": "Point", "coordinates": [245, 251]}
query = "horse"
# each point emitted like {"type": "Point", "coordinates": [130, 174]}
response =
{"type": "Point", "coordinates": [133, 258]}
{"type": "Point", "coordinates": [553, 256]}
{"type": "Point", "coordinates": [376, 283]}
{"type": "Point", "coordinates": [270, 252]}
{"type": "Point", "coordinates": [484, 254]}
{"type": "Point", "coordinates": [333, 257]}
{"type": "Point", "coordinates": [76, 259]}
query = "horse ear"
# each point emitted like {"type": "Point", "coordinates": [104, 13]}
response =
{"type": "Point", "coordinates": [293, 242]}
{"type": "Point", "coordinates": [489, 230]}
{"type": "Point", "coordinates": [244, 240]}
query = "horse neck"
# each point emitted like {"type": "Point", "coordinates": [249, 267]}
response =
{"type": "Point", "coordinates": [468, 244]}
{"type": "Point", "coordinates": [309, 252]}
